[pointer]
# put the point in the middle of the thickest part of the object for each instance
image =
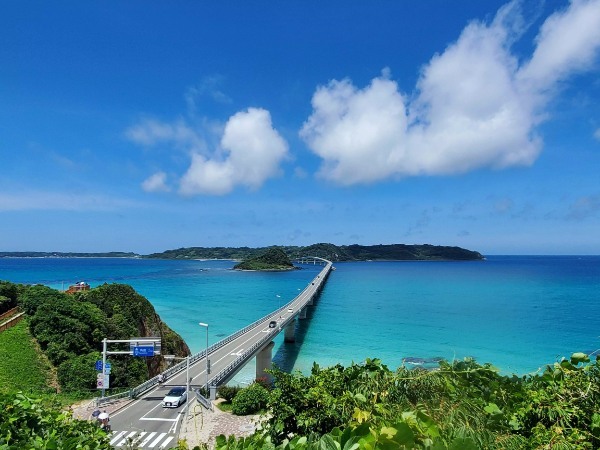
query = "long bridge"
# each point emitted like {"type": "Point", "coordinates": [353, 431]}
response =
{"type": "Point", "coordinates": [151, 426]}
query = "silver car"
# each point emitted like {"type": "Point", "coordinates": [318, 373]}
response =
{"type": "Point", "coordinates": [175, 397]}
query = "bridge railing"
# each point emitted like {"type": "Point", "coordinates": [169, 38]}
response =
{"type": "Point", "coordinates": [182, 365]}
{"type": "Point", "coordinates": [225, 374]}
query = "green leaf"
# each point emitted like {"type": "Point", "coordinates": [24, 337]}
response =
{"type": "Point", "coordinates": [579, 357]}
{"type": "Point", "coordinates": [404, 434]}
{"type": "Point", "coordinates": [360, 397]}
{"type": "Point", "coordinates": [352, 443]}
{"type": "Point", "coordinates": [463, 444]}
{"type": "Point", "coordinates": [327, 443]}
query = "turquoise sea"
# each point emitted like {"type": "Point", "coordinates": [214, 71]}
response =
{"type": "Point", "coordinates": [517, 312]}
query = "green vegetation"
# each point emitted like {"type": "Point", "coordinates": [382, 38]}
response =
{"type": "Point", "coordinates": [26, 423]}
{"type": "Point", "coordinates": [22, 365]}
{"type": "Point", "coordinates": [462, 405]}
{"type": "Point", "coordinates": [69, 330]}
{"type": "Point", "coordinates": [8, 296]}
{"type": "Point", "coordinates": [250, 400]}
{"type": "Point", "coordinates": [227, 393]}
{"type": "Point", "coordinates": [391, 252]}
{"type": "Point", "coordinates": [272, 259]}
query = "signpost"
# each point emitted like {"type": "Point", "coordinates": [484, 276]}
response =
{"type": "Point", "coordinates": [140, 346]}
{"type": "Point", "coordinates": [143, 351]}
{"type": "Point", "coordinates": [102, 381]}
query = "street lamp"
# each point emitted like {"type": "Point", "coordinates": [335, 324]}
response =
{"type": "Point", "coordinates": [202, 324]}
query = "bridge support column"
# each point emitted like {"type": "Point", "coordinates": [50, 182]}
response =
{"type": "Point", "coordinates": [302, 314]}
{"type": "Point", "coordinates": [264, 360]}
{"type": "Point", "coordinates": [290, 332]}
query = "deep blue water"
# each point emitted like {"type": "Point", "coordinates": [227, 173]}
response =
{"type": "Point", "coordinates": [517, 312]}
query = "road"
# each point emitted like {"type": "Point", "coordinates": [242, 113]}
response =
{"type": "Point", "coordinates": [149, 425]}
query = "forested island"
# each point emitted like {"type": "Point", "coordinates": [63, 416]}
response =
{"type": "Point", "coordinates": [355, 252]}
{"type": "Point", "coordinates": [272, 259]}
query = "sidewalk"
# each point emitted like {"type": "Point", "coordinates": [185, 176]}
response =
{"type": "Point", "coordinates": [84, 410]}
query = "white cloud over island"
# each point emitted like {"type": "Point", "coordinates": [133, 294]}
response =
{"type": "Point", "coordinates": [476, 105]}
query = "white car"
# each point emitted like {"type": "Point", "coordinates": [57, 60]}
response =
{"type": "Point", "coordinates": [175, 397]}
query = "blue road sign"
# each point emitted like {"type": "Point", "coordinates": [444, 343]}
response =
{"type": "Point", "coordinates": [98, 366]}
{"type": "Point", "coordinates": [143, 351]}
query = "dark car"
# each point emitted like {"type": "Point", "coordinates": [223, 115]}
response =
{"type": "Point", "coordinates": [272, 324]}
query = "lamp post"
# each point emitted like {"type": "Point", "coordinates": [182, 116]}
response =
{"type": "Point", "coordinates": [187, 386]}
{"type": "Point", "coordinates": [202, 324]}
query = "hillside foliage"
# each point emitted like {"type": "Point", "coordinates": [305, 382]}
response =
{"type": "Point", "coordinates": [69, 330]}
{"type": "Point", "coordinates": [461, 405]}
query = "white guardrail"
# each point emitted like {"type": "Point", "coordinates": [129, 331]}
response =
{"type": "Point", "coordinates": [217, 380]}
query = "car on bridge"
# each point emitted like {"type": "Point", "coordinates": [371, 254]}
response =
{"type": "Point", "coordinates": [175, 397]}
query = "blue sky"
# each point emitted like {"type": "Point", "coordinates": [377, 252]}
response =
{"type": "Point", "coordinates": [146, 126]}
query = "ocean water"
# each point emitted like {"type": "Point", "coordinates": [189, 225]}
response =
{"type": "Point", "coordinates": [516, 312]}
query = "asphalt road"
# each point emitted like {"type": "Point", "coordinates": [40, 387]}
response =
{"type": "Point", "coordinates": [150, 425]}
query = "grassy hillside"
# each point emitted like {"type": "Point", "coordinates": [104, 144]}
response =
{"type": "Point", "coordinates": [23, 367]}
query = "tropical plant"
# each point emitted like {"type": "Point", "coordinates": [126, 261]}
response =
{"type": "Point", "coordinates": [250, 400]}
{"type": "Point", "coordinates": [27, 423]}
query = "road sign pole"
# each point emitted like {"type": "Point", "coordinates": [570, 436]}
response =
{"type": "Point", "coordinates": [103, 365]}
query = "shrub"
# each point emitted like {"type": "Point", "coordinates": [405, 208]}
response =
{"type": "Point", "coordinates": [228, 392]}
{"type": "Point", "coordinates": [250, 400]}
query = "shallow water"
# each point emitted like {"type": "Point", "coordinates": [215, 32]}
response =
{"type": "Point", "coordinates": [516, 312]}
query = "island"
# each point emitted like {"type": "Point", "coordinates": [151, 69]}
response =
{"type": "Point", "coordinates": [272, 259]}
{"type": "Point", "coordinates": [332, 252]}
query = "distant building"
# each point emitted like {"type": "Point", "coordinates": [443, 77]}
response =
{"type": "Point", "coordinates": [78, 287]}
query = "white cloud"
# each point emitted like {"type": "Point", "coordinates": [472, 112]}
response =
{"type": "Point", "coordinates": [597, 134]}
{"type": "Point", "coordinates": [151, 132]}
{"type": "Point", "coordinates": [475, 105]}
{"type": "Point", "coordinates": [251, 151]}
{"type": "Point", "coordinates": [156, 183]}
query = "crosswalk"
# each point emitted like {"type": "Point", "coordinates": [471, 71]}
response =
{"type": "Point", "coordinates": [141, 439]}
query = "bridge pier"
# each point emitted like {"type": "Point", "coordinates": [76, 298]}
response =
{"type": "Point", "coordinates": [302, 314]}
{"type": "Point", "coordinates": [290, 332]}
{"type": "Point", "coordinates": [264, 360]}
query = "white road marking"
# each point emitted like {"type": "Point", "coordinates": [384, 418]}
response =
{"type": "Point", "coordinates": [160, 419]}
{"type": "Point", "coordinates": [116, 436]}
{"type": "Point", "coordinates": [133, 433]}
{"type": "Point", "coordinates": [158, 439]}
{"type": "Point", "coordinates": [166, 442]}
{"type": "Point", "coordinates": [150, 436]}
